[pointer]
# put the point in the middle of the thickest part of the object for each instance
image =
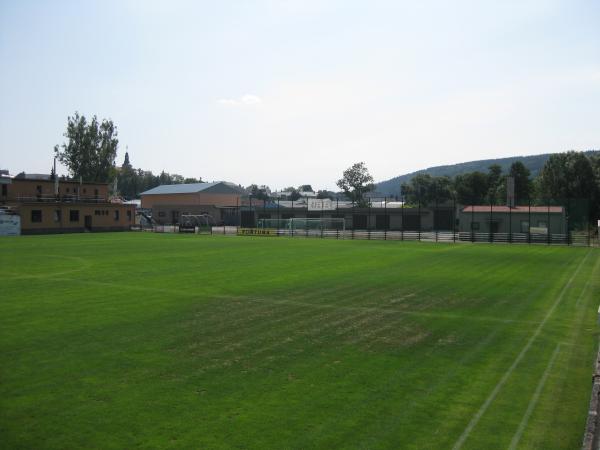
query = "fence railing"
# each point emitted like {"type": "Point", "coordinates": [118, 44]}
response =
{"type": "Point", "coordinates": [575, 239]}
{"type": "Point", "coordinates": [533, 220]}
{"type": "Point", "coordinates": [55, 199]}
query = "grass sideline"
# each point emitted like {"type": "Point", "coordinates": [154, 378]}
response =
{"type": "Point", "coordinates": [148, 340]}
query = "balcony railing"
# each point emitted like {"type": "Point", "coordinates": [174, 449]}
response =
{"type": "Point", "coordinates": [57, 199]}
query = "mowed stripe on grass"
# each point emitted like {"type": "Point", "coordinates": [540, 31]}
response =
{"type": "Point", "coordinates": [117, 340]}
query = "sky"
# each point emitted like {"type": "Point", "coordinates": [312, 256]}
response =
{"type": "Point", "coordinates": [293, 92]}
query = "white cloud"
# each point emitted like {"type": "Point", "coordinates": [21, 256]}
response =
{"type": "Point", "coordinates": [250, 99]}
{"type": "Point", "coordinates": [244, 100]}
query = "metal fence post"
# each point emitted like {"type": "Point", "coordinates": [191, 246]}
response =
{"type": "Point", "coordinates": [454, 219]}
{"type": "Point", "coordinates": [385, 219]}
{"type": "Point", "coordinates": [491, 236]}
{"type": "Point", "coordinates": [419, 213]}
{"type": "Point", "coordinates": [321, 224]}
{"type": "Point", "coordinates": [306, 221]}
{"type": "Point", "coordinates": [435, 212]}
{"type": "Point", "coordinates": [402, 214]}
{"type": "Point", "coordinates": [251, 211]}
{"type": "Point", "coordinates": [529, 223]}
{"type": "Point", "coordinates": [548, 227]}
{"type": "Point", "coordinates": [369, 220]}
{"type": "Point", "coordinates": [589, 221]}
{"type": "Point", "coordinates": [472, 223]}
{"type": "Point", "coordinates": [353, 219]}
{"type": "Point", "coordinates": [567, 214]}
{"type": "Point", "coordinates": [509, 223]}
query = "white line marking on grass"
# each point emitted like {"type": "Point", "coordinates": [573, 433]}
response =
{"type": "Point", "coordinates": [533, 402]}
{"type": "Point", "coordinates": [587, 285]}
{"type": "Point", "coordinates": [467, 431]}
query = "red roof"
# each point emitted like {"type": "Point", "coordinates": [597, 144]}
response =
{"type": "Point", "coordinates": [515, 209]}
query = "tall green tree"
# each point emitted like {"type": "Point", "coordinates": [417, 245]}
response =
{"type": "Point", "coordinates": [356, 182]}
{"type": "Point", "coordinates": [568, 175]}
{"type": "Point", "coordinates": [90, 149]}
{"type": "Point", "coordinates": [495, 182]}
{"type": "Point", "coordinates": [523, 184]}
{"type": "Point", "coordinates": [472, 188]}
{"type": "Point", "coordinates": [427, 190]}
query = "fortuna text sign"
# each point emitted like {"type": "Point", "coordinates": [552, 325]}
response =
{"type": "Point", "coordinates": [321, 204]}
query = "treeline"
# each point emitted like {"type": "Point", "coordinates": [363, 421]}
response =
{"type": "Point", "coordinates": [131, 182]}
{"type": "Point", "coordinates": [263, 192]}
{"type": "Point", "coordinates": [569, 175]}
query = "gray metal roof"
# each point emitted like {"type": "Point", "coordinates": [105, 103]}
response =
{"type": "Point", "coordinates": [220, 187]}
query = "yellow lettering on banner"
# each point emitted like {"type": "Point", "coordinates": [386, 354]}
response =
{"type": "Point", "coordinates": [257, 232]}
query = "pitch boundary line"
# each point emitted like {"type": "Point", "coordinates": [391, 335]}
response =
{"type": "Point", "coordinates": [475, 419]}
{"type": "Point", "coordinates": [533, 402]}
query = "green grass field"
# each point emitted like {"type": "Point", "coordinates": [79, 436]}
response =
{"type": "Point", "coordinates": [179, 341]}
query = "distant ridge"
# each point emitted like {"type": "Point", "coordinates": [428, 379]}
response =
{"type": "Point", "coordinates": [534, 163]}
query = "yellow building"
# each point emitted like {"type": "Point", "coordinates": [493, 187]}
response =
{"type": "Point", "coordinates": [219, 201]}
{"type": "Point", "coordinates": [64, 206]}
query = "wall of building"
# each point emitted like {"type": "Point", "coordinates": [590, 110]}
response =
{"type": "Point", "coordinates": [514, 222]}
{"type": "Point", "coordinates": [61, 217]}
{"type": "Point", "coordinates": [151, 201]}
{"type": "Point", "coordinates": [171, 214]}
{"type": "Point", "coordinates": [30, 189]}
{"type": "Point", "coordinates": [367, 219]}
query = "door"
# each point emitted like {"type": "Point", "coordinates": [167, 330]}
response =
{"type": "Point", "coordinates": [88, 223]}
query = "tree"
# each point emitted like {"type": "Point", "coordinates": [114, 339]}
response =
{"type": "Point", "coordinates": [260, 193]}
{"type": "Point", "coordinates": [495, 182]}
{"type": "Point", "coordinates": [305, 188]}
{"type": "Point", "coordinates": [322, 194]}
{"type": "Point", "coordinates": [472, 188]}
{"type": "Point", "coordinates": [294, 194]}
{"type": "Point", "coordinates": [90, 150]}
{"type": "Point", "coordinates": [523, 184]}
{"type": "Point", "coordinates": [356, 182]}
{"type": "Point", "coordinates": [568, 175]}
{"type": "Point", "coordinates": [427, 190]}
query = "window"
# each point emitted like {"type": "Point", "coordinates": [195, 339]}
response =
{"type": "Point", "coordinates": [96, 193]}
{"type": "Point", "coordinates": [36, 215]}
{"type": "Point", "coordinates": [38, 189]}
{"type": "Point", "coordinates": [524, 226]}
{"type": "Point", "coordinates": [474, 226]}
{"type": "Point", "coordinates": [57, 215]}
{"type": "Point", "coordinates": [116, 214]}
{"type": "Point", "coordinates": [161, 214]}
{"type": "Point", "coordinates": [129, 215]}
{"type": "Point", "coordinates": [542, 224]}
{"type": "Point", "coordinates": [84, 190]}
{"type": "Point", "coordinates": [74, 215]}
{"type": "Point", "coordinates": [4, 190]}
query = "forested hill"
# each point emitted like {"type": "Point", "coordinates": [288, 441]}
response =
{"type": "Point", "coordinates": [533, 163]}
